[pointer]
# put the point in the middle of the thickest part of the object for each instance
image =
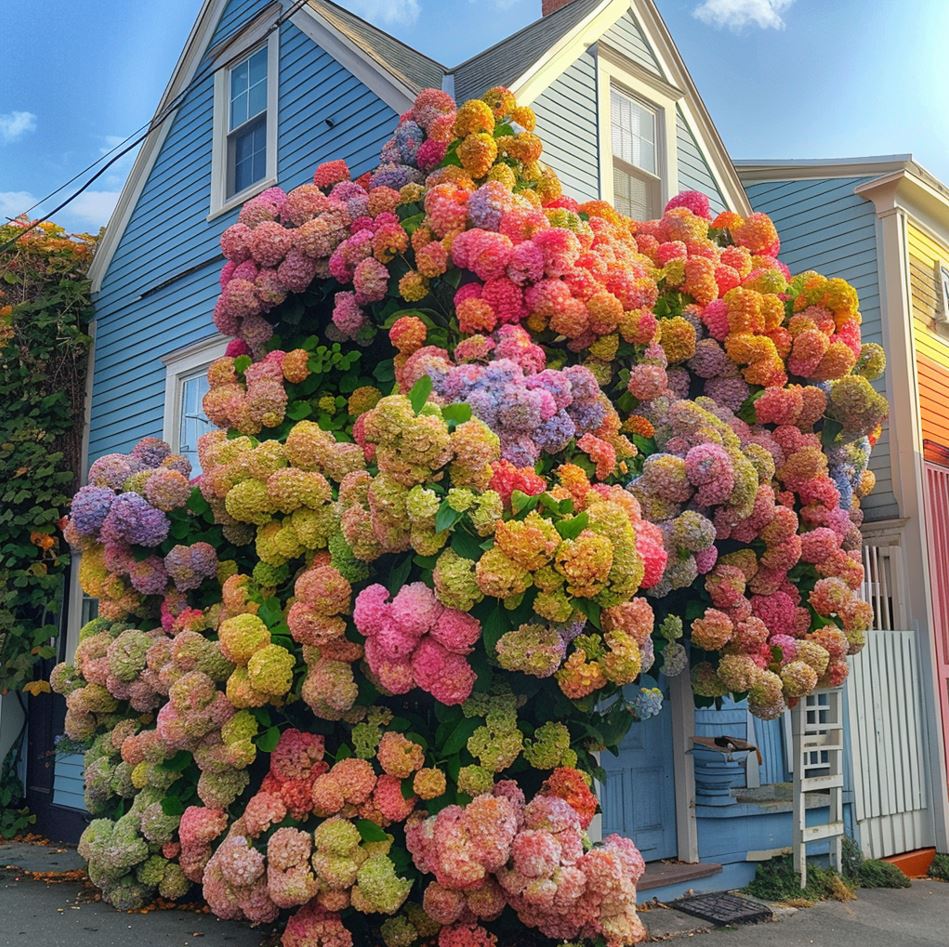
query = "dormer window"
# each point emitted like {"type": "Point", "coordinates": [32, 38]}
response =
{"type": "Point", "coordinates": [244, 156]}
{"type": "Point", "coordinates": [637, 185]}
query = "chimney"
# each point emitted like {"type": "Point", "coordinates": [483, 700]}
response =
{"type": "Point", "coordinates": [552, 6]}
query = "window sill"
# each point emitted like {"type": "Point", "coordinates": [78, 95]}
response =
{"type": "Point", "coordinates": [238, 199]}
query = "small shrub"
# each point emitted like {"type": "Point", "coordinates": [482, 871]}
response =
{"type": "Point", "coordinates": [939, 869]}
{"type": "Point", "coordinates": [776, 880]}
{"type": "Point", "coordinates": [869, 872]}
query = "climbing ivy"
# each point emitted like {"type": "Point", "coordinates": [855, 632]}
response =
{"type": "Point", "coordinates": [45, 311]}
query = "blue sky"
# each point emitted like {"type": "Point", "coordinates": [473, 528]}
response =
{"type": "Point", "coordinates": [781, 78]}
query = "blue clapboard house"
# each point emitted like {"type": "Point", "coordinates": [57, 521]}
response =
{"type": "Point", "coordinates": [265, 91]}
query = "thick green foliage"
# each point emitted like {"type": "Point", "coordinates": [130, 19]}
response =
{"type": "Point", "coordinates": [44, 317]}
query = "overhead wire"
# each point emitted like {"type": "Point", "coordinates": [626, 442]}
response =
{"type": "Point", "coordinates": [143, 132]}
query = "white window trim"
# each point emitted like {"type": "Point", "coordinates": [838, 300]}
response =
{"type": "Point", "coordinates": [656, 94]}
{"type": "Point", "coordinates": [237, 51]}
{"type": "Point", "coordinates": [942, 293]}
{"type": "Point", "coordinates": [181, 365]}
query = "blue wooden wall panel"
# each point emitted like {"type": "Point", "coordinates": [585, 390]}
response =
{"type": "Point", "coordinates": [68, 786]}
{"type": "Point", "coordinates": [626, 36]}
{"type": "Point", "coordinates": [567, 124]}
{"type": "Point", "coordinates": [169, 231]}
{"type": "Point", "coordinates": [693, 167]}
{"type": "Point", "coordinates": [825, 226]}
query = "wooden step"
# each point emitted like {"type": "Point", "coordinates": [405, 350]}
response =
{"type": "Point", "coordinates": [822, 783]}
{"type": "Point", "coordinates": [814, 833]}
{"type": "Point", "coordinates": [660, 874]}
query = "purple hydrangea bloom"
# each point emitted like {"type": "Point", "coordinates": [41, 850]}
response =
{"type": "Point", "coordinates": [189, 566]}
{"type": "Point", "coordinates": [133, 519]}
{"type": "Point", "coordinates": [395, 176]}
{"type": "Point", "coordinates": [90, 506]}
{"type": "Point", "coordinates": [408, 138]}
{"type": "Point", "coordinates": [112, 470]}
{"type": "Point", "coordinates": [151, 451]}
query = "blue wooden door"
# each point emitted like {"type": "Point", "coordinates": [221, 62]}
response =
{"type": "Point", "coordinates": [639, 795]}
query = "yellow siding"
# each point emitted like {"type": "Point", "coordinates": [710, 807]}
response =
{"type": "Point", "coordinates": [931, 339]}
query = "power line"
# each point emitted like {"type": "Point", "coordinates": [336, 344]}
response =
{"type": "Point", "coordinates": [147, 128]}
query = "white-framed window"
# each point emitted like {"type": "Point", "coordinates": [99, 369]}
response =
{"type": "Point", "coordinates": [637, 185]}
{"type": "Point", "coordinates": [82, 609]}
{"type": "Point", "coordinates": [637, 131]}
{"type": "Point", "coordinates": [943, 277]}
{"type": "Point", "coordinates": [244, 153]}
{"type": "Point", "coordinates": [186, 384]}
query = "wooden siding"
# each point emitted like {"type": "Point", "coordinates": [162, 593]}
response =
{"type": "Point", "coordinates": [693, 168]}
{"type": "Point", "coordinates": [68, 786]}
{"type": "Point", "coordinates": [626, 37]}
{"type": "Point", "coordinates": [160, 288]}
{"type": "Point", "coordinates": [824, 226]}
{"type": "Point", "coordinates": [931, 340]}
{"type": "Point", "coordinates": [888, 745]}
{"type": "Point", "coordinates": [567, 124]}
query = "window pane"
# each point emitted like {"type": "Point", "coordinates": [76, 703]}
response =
{"type": "Point", "coordinates": [257, 99]}
{"type": "Point", "coordinates": [193, 422]}
{"type": "Point", "coordinates": [258, 66]}
{"type": "Point", "coordinates": [636, 197]}
{"type": "Point", "coordinates": [248, 156]}
{"type": "Point", "coordinates": [633, 132]}
{"type": "Point", "coordinates": [238, 110]}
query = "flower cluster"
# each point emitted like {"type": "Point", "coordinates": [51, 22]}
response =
{"type": "Point", "coordinates": [484, 458]}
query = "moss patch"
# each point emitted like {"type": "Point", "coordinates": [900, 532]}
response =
{"type": "Point", "coordinates": [776, 880]}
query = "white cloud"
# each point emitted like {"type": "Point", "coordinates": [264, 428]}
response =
{"type": "Point", "coordinates": [737, 14]}
{"type": "Point", "coordinates": [93, 208]}
{"type": "Point", "coordinates": [14, 125]}
{"type": "Point", "coordinates": [387, 12]}
{"type": "Point", "coordinates": [13, 203]}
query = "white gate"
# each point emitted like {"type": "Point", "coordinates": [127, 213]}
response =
{"type": "Point", "coordinates": [887, 739]}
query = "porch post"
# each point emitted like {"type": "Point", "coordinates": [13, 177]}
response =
{"type": "Point", "coordinates": [683, 727]}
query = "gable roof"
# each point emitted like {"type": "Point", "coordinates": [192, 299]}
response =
{"type": "Point", "coordinates": [415, 69]}
{"type": "Point", "coordinates": [396, 72]}
{"type": "Point", "coordinates": [507, 60]}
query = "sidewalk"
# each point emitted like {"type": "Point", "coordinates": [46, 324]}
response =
{"type": "Point", "coordinates": [42, 902]}
{"type": "Point", "coordinates": [44, 899]}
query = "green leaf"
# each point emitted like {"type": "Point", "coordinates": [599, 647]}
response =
{"type": "Point", "coordinates": [570, 529]}
{"type": "Point", "coordinates": [591, 609]}
{"type": "Point", "coordinates": [492, 628]}
{"type": "Point", "coordinates": [399, 574]}
{"type": "Point", "coordinates": [466, 545]}
{"type": "Point", "coordinates": [270, 612]}
{"type": "Point", "coordinates": [459, 736]}
{"type": "Point", "coordinates": [178, 762]}
{"type": "Point", "coordinates": [268, 740]}
{"type": "Point", "coordinates": [242, 363]}
{"type": "Point", "coordinates": [420, 392]}
{"type": "Point", "coordinates": [172, 806]}
{"type": "Point", "coordinates": [369, 831]}
{"type": "Point", "coordinates": [298, 410]}
{"type": "Point", "coordinates": [446, 517]}
{"type": "Point", "coordinates": [829, 432]}
{"type": "Point", "coordinates": [457, 413]}
{"type": "Point", "coordinates": [411, 224]}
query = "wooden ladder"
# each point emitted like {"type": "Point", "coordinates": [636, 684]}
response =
{"type": "Point", "coordinates": [817, 728]}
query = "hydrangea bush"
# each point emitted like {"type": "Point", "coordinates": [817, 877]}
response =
{"type": "Point", "coordinates": [485, 458]}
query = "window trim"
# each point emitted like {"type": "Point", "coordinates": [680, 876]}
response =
{"type": "Point", "coordinates": [221, 203]}
{"type": "Point", "coordinates": [181, 365]}
{"type": "Point", "coordinates": [654, 94]}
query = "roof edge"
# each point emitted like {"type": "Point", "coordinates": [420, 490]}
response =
{"type": "Point", "coordinates": [792, 169]}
